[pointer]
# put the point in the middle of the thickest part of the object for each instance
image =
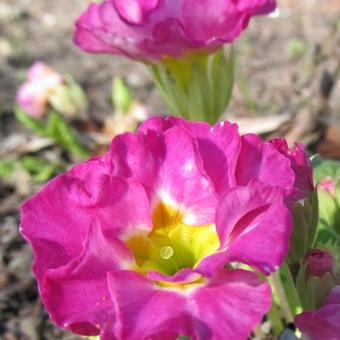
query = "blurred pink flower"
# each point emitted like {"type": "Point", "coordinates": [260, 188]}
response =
{"type": "Point", "coordinates": [133, 245]}
{"type": "Point", "coordinates": [324, 323]}
{"type": "Point", "coordinates": [328, 185]}
{"type": "Point", "coordinates": [33, 95]}
{"type": "Point", "coordinates": [152, 29]}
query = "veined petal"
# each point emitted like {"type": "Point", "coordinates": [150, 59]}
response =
{"type": "Point", "coordinates": [76, 294]}
{"type": "Point", "coordinates": [237, 297]}
{"type": "Point", "coordinates": [261, 161]}
{"type": "Point", "coordinates": [135, 11]}
{"type": "Point", "coordinates": [56, 221]}
{"type": "Point", "coordinates": [173, 173]}
{"type": "Point", "coordinates": [254, 227]}
{"type": "Point", "coordinates": [219, 147]}
{"type": "Point", "coordinates": [206, 22]}
{"type": "Point", "coordinates": [300, 164]}
{"type": "Point", "coordinates": [144, 309]}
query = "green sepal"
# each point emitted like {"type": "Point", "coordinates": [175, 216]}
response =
{"type": "Point", "coordinates": [329, 207]}
{"type": "Point", "coordinates": [198, 86]}
{"type": "Point", "coordinates": [305, 222]}
{"type": "Point", "coordinates": [312, 291]}
{"type": "Point", "coordinates": [34, 124]}
{"type": "Point", "coordinates": [222, 75]}
{"type": "Point", "coordinates": [69, 98]}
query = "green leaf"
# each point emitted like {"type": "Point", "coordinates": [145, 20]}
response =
{"type": "Point", "coordinates": [7, 167]}
{"type": "Point", "coordinates": [121, 96]}
{"type": "Point", "coordinates": [69, 98]}
{"type": "Point", "coordinates": [305, 218]}
{"type": "Point", "coordinates": [329, 207]}
{"type": "Point", "coordinates": [325, 168]}
{"type": "Point", "coordinates": [62, 134]}
{"type": "Point", "coordinates": [32, 123]}
{"type": "Point", "coordinates": [327, 236]}
{"type": "Point", "coordinates": [296, 47]}
{"type": "Point", "coordinates": [41, 170]}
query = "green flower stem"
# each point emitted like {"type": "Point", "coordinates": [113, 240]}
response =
{"type": "Point", "coordinates": [279, 291]}
{"type": "Point", "coordinates": [198, 86]}
{"type": "Point", "coordinates": [290, 289]}
{"type": "Point", "coordinates": [275, 318]}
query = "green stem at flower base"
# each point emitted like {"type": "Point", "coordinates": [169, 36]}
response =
{"type": "Point", "coordinates": [280, 293]}
{"type": "Point", "coordinates": [198, 86]}
{"type": "Point", "coordinates": [290, 289]}
{"type": "Point", "coordinates": [275, 318]}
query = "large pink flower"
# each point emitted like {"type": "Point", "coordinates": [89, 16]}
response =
{"type": "Point", "coordinates": [323, 323]}
{"type": "Point", "coordinates": [141, 243]}
{"type": "Point", "coordinates": [152, 29]}
{"type": "Point", "coordinates": [33, 95]}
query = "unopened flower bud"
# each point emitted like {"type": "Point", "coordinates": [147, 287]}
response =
{"type": "Point", "coordinates": [316, 278]}
{"type": "Point", "coordinates": [33, 95]}
{"type": "Point", "coordinates": [319, 262]}
{"type": "Point", "coordinates": [327, 185]}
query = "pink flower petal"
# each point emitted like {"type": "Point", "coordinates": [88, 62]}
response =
{"type": "Point", "coordinates": [68, 205]}
{"type": "Point", "coordinates": [300, 164]}
{"type": "Point", "coordinates": [76, 294]}
{"type": "Point", "coordinates": [146, 310]}
{"type": "Point", "coordinates": [254, 227]}
{"type": "Point", "coordinates": [172, 171]}
{"type": "Point", "coordinates": [219, 146]}
{"type": "Point", "coordinates": [182, 276]}
{"type": "Point", "coordinates": [33, 95]}
{"type": "Point", "coordinates": [152, 29]}
{"type": "Point", "coordinates": [324, 323]}
{"type": "Point", "coordinates": [261, 161]}
{"type": "Point", "coordinates": [134, 11]}
{"type": "Point", "coordinates": [206, 22]}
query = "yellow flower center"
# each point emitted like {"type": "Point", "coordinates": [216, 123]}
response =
{"type": "Point", "coordinates": [172, 244]}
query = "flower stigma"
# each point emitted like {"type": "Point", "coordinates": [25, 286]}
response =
{"type": "Point", "coordinates": [172, 244]}
{"type": "Point", "coordinates": [166, 252]}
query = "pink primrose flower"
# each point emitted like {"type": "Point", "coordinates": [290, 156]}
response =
{"type": "Point", "coordinates": [140, 243]}
{"type": "Point", "coordinates": [33, 95]}
{"type": "Point", "coordinates": [323, 323]}
{"type": "Point", "coordinates": [152, 29]}
{"type": "Point", "coordinates": [301, 165]}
